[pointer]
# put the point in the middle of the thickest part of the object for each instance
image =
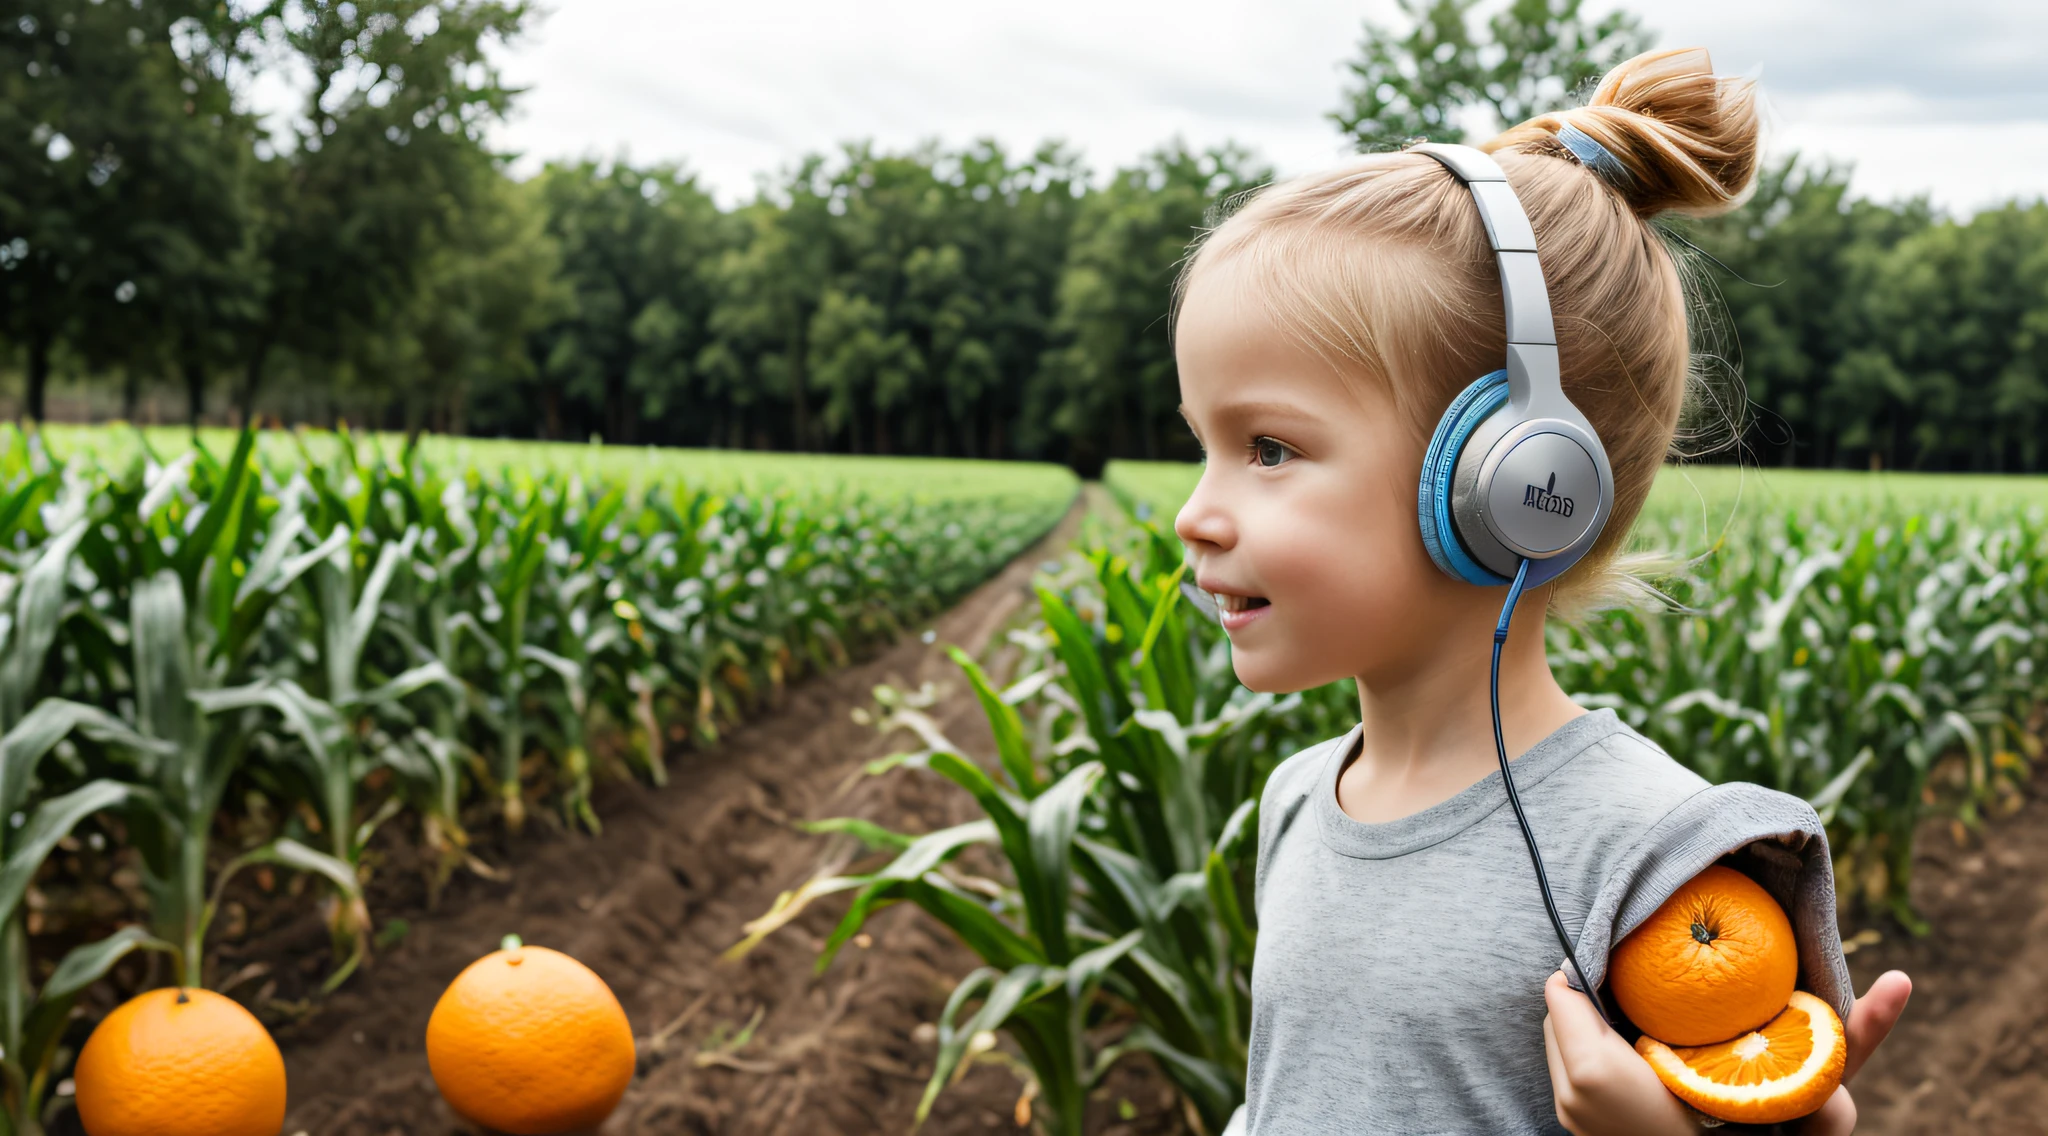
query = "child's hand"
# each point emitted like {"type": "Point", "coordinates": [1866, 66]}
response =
{"type": "Point", "coordinates": [1870, 1019]}
{"type": "Point", "coordinates": [1602, 1085]}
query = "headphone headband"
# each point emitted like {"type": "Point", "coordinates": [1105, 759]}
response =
{"type": "Point", "coordinates": [1495, 444]}
{"type": "Point", "coordinates": [1534, 386]}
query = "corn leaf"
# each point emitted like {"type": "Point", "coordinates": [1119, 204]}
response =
{"type": "Point", "coordinates": [79, 968]}
{"type": "Point", "coordinates": [38, 608]}
{"type": "Point", "coordinates": [1005, 995]}
{"type": "Point", "coordinates": [52, 821]}
{"type": "Point", "coordinates": [1011, 747]}
{"type": "Point", "coordinates": [52, 720]}
{"type": "Point", "coordinates": [1051, 821]}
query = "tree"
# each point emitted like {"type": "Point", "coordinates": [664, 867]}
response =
{"type": "Point", "coordinates": [638, 247]}
{"type": "Point", "coordinates": [1804, 256]}
{"type": "Point", "coordinates": [369, 179]}
{"type": "Point", "coordinates": [120, 166]}
{"type": "Point", "coordinates": [892, 302]}
{"type": "Point", "coordinates": [1534, 57]}
{"type": "Point", "coordinates": [769, 288]}
{"type": "Point", "coordinates": [495, 282]}
{"type": "Point", "coordinates": [1107, 389]}
{"type": "Point", "coordinates": [1952, 375]}
{"type": "Point", "coordinates": [981, 305]}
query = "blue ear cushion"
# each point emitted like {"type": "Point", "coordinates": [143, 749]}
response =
{"type": "Point", "coordinates": [1440, 464]}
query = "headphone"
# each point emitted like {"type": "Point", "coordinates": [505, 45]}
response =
{"type": "Point", "coordinates": [1515, 484]}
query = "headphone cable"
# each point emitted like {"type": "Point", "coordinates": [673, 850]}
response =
{"type": "Point", "coordinates": [1500, 636]}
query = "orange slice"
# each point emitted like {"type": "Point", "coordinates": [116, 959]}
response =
{"type": "Point", "coordinates": [1784, 1069]}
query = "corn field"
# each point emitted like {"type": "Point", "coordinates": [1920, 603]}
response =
{"type": "Point", "coordinates": [220, 660]}
{"type": "Point", "coordinates": [1872, 644]}
{"type": "Point", "coordinates": [1880, 659]}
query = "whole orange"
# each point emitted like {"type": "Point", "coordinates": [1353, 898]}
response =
{"type": "Point", "coordinates": [180, 1062]}
{"type": "Point", "coordinates": [1716, 960]}
{"type": "Point", "coordinates": [529, 1041]}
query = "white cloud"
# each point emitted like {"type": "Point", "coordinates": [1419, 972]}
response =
{"type": "Point", "coordinates": [1954, 105]}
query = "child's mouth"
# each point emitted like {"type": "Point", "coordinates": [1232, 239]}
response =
{"type": "Point", "coordinates": [1239, 611]}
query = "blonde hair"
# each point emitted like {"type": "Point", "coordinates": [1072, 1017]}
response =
{"type": "Point", "coordinates": [1381, 266]}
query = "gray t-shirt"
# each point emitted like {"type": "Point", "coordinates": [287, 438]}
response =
{"type": "Point", "coordinates": [1398, 981]}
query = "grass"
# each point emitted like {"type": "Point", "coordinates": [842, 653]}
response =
{"type": "Point", "coordinates": [633, 467]}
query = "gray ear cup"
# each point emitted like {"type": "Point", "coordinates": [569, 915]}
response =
{"type": "Point", "coordinates": [1528, 490]}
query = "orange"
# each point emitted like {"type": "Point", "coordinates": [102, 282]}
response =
{"type": "Point", "coordinates": [529, 1041]}
{"type": "Point", "coordinates": [1717, 960]}
{"type": "Point", "coordinates": [180, 1062]}
{"type": "Point", "coordinates": [1787, 1069]}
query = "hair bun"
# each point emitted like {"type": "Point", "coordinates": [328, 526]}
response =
{"type": "Point", "coordinates": [1686, 138]}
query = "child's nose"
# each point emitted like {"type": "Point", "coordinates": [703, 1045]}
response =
{"type": "Point", "coordinates": [1203, 519]}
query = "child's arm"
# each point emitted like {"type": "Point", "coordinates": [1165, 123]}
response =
{"type": "Point", "coordinates": [1603, 1086]}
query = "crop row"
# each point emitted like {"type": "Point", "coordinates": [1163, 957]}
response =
{"type": "Point", "coordinates": [325, 643]}
{"type": "Point", "coordinates": [1873, 645]}
{"type": "Point", "coordinates": [1884, 668]}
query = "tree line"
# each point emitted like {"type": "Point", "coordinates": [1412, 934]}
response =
{"type": "Point", "coordinates": [371, 258]}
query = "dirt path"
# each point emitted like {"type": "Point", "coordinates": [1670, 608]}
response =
{"type": "Point", "coordinates": [1971, 1052]}
{"type": "Point", "coordinates": [652, 902]}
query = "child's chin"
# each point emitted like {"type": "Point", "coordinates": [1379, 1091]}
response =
{"type": "Point", "coordinates": [1263, 680]}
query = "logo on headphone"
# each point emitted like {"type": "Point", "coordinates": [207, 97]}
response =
{"type": "Point", "coordinates": [1541, 497]}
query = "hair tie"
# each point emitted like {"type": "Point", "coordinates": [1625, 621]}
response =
{"type": "Point", "coordinates": [1592, 155]}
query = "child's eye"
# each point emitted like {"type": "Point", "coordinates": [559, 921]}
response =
{"type": "Point", "coordinates": [1260, 446]}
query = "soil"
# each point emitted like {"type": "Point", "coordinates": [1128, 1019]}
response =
{"type": "Point", "coordinates": [652, 902]}
{"type": "Point", "coordinates": [1970, 1053]}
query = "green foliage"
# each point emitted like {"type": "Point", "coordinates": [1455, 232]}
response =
{"type": "Point", "coordinates": [1534, 56]}
{"type": "Point", "coordinates": [301, 641]}
{"type": "Point", "coordinates": [885, 303]}
{"type": "Point", "coordinates": [1111, 383]}
{"type": "Point", "coordinates": [638, 250]}
{"type": "Point", "coordinates": [1953, 369]}
{"type": "Point", "coordinates": [383, 158]}
{"type": "Point", "coordinates": [152, 226]}
{"type": "Point", "coordinates": [371, 260]}
{"type": "Point", "coordinates": [1133, 764]}
{"type": "Point", "coordinates": [122, 207]}
{"type": "Point", "coordinates": [31, 1019]}
{"type": "Point", "coordinates": [1848, 633]}
{"type": "Point", "coordinates": [1877, 663]}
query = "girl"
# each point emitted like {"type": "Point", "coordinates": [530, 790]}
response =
{"type": "Point", "coordinates": [1406, 961]}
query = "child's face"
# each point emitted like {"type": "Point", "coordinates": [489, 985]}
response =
{"type": "Point", "coordinates": [1307, 500]}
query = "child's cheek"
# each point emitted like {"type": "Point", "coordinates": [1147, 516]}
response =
{"type": "Point", "coordinates": [1327, 600]}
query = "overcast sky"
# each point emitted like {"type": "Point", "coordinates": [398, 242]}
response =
{"type": "Point", "coordinates": [1949, 99]}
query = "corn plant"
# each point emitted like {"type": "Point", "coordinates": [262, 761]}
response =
{"type": "Point", "coordinates": [209, 731]}
{"type": "Point", "coordinates": [1126, 816]}
{"type": "Point", "coordinates": [333, 726]}
{"type": "Point", "coordinates": [673, 603]}
{"type": "Point", "coordinates": [287, 623]}
{"type": "Point", "coordinates": [1840, 659]}
{"type": "Point", "coordinates": [32, 1020]}
{"type": "Point", "coordinates": [1875, 647]}
{"type": "Point", "coordinates": [199, 580]}
{"type": "Point", "coordinates": [427, 747]}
